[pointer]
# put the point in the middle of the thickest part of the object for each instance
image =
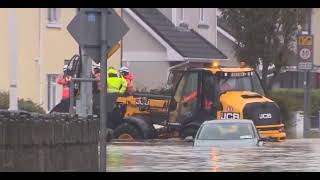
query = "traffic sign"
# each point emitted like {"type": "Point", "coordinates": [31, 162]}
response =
{"type": "Point", "coordinates": [85, 28]}
{"type": "Point", "coordinates": [98, 32]}
{"type": "Point", "coordinates": [305, 66]}
{"type": "Point", "coordinates": [305, 40]}
{"type": "Point", "coordinates": [113, 50]}
{"type": "Point", "coordinates": [305, 52]}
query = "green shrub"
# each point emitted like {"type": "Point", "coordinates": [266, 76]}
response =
{"type": "Point", "coordinates": [290, 100]}
{"type": "Point", "coordinates": [26, 105]}
{"type": "Point", "coordinates": [4, 100]}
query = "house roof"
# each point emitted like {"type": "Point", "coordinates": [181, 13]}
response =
{"type": "Point", "coordinates": [188, 44]}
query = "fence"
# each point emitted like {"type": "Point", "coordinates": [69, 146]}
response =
{"type": "Point", "coordinates": [50, 142]}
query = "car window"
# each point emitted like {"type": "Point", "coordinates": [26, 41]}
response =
{"type": "Point", "coordinates": [226, 131]}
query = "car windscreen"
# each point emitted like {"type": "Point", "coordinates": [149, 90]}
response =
{"type": "Point", "coordinates": [227, 131]}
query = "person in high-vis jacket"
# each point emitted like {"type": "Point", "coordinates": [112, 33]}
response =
{"type": "Point", "coordinates": [116, 83]}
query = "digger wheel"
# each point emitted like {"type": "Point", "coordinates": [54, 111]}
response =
{"type": "Point", "coordinates": [127, 131]}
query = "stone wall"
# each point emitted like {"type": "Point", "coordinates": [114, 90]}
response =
{"type": "Point", "coordinates": [50, 142]}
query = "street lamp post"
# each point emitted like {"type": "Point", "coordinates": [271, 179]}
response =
{"type": "Point", "coordinates": [13, 100]}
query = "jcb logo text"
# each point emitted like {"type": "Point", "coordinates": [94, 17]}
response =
{"type": "Point", "coordinates": [230, 115]}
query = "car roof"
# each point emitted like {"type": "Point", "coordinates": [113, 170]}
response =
{"type": "Point", "coordinates": [228, 121]}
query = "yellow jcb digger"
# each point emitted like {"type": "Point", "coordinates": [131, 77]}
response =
{"type": "Point", "coordinates": [234, 93]}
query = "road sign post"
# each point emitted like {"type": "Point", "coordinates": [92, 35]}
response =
{"type": "Point", "coordinates": [98, 31]}
{"type": "Point", "coordinates": [305, 52]}
{"type": "Point", "coordinates": [86, 87]}
{"type": "Point", "coordinates": [103, 113]}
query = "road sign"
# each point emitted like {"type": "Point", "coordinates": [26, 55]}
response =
{"type": "Point", "coordinates": [305, 40]}
{"type": "Point", "coordinates": [305, 52]}
{"type": "Point", "coordinates": [98, 32]}
{"type": "Point", "coordinates": [305, 66]}
{"type": "Point", "coordinates": [85, 28]}
{"type": "Point", "coordinates": [113, 50]}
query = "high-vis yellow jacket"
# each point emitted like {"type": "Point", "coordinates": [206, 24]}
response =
{"type": "Point", "coordinates": [117, 85]}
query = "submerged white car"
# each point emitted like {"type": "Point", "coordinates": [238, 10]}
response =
{"type": "Point", "coordinates": [230, 133]}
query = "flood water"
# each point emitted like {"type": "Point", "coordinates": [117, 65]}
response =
{"type": "Point", "coordinates": [171, 155]}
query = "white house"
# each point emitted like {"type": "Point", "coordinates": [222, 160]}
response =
{"type": "Point", "coordinates": [161, 39]}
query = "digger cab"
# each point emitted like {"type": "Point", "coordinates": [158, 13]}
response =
{"type": "Point", "coordinates": [195, 99]}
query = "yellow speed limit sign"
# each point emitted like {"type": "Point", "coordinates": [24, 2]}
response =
{"type": "Point", "coordinates": [305, 52]}
{"type": "Point", "coordinates": [305, 40]}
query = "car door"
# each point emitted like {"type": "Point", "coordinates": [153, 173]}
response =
{"type": "Point", "coordinates": [209, 99]}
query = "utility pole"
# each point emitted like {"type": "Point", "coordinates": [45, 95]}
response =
{"type": "Point", "coordinates": [13, 100]}
{"type": "Point", "coordinates": [103, 113]}
{"type": "Point", "coordinates": [85, 108]}
{"type": "Point", "coordinates": [307, 89]}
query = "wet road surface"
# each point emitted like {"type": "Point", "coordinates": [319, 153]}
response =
{"type": "Point", "coordinates": [171, 155]}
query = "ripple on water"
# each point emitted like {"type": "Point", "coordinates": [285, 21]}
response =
{"type": "Point", "coordinates": [170, 155]}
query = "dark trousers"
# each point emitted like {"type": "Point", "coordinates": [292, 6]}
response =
{"type": "Point", "coordinates": [62, 107]}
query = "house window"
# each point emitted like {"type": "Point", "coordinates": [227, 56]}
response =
{"type": "Point", "coordinates": [53, 95]}
{"type": "Point", "coordinates": [202, 22]}
{"type": "Point", "coordinates": [182, 15]}
{"type": "Point", "coordinates": [182, 24]}
{"type": "Point", "coordinates": [201, 14]}
{"type": "Point", "coordinates": [54, 17]}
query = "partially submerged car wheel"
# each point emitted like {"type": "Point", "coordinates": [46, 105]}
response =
{"type": "Point", "coordinates": [127, 131]}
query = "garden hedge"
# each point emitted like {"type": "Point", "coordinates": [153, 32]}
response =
{"type": "Point", "coordinates": [25, 105]}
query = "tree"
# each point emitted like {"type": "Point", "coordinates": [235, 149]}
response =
{"type": "Point", "coordinates": [265, 36]}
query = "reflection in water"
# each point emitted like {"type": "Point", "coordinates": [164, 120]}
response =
{"type": "Point", "coordinates": [215, 165]}
{"type": "Point", "coordinates": [291, 155]}
{"type": "Point", "coordinates": [115, 159]}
